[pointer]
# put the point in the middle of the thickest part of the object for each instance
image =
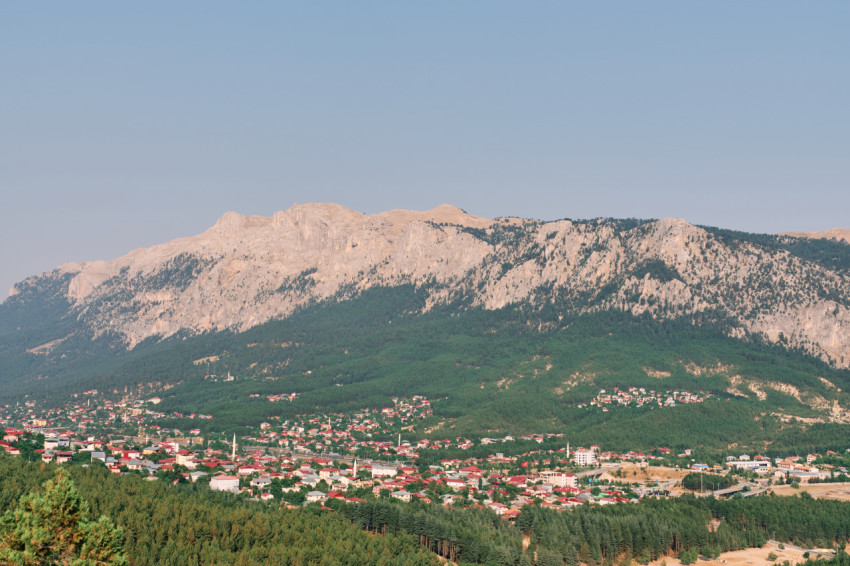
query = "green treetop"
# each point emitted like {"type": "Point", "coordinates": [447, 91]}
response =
{"type": "Point", "coordinates": [53, 527]}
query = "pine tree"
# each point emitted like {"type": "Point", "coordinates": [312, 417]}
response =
{"type": "Point", "coordinates": [53, 527]}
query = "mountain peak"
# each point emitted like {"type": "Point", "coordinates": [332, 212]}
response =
{"type": "Point", "coordinates": [442, 214]}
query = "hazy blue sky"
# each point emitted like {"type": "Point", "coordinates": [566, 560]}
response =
{"type": "Point", "coordinates": [127, 124]}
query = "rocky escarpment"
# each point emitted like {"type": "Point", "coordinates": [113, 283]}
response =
{"type": "Point", "coordinates": [247, 270]}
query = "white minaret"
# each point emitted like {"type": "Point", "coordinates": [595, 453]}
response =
{"type": "Point", "coordinates": [399, 440]}
{"type": "Point", "coordinates": [355, 467]}
{"type": "Point", "coordinates": [233, 453]}
{"type": "Point", "coordinates": [568, 450]}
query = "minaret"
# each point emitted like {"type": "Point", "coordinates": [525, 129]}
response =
{"type": "Point", "coordinates": [568, 450]}
{"type": "Point", "coordinates": [233, 453]}
{"type": "Point", "coordinates": [355, 468]}
{"type": "Point", "coordinates": [399, 440]}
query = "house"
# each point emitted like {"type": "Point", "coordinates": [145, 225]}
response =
{"type": "Point", "coordinates": [339, 480]}
{"type": "Point", "coordinates": [328, 472]}
{"type": "Point", "coordinates": [316, 497]}
{"type": "Point", "coordinates": [499, 508]}
{"type": "Point", "coordinates": [383, 470]}
{"type": "Point", "coordinates": [311, 479]}
{"type": "Point", "coordinates": [185, 458]}
{"type": "Point", "coordinates": [402, 495]}
{"type": "Point", "coordinates": [225, 483]}
{"type": "Point", "coordinates": [195, 476]}
{"type": "Point", "coordinates": [11, 450]}
{"type": "Point", "coordinates": [135, 464]}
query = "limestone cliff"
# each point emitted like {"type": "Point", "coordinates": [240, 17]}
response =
{"type": "Point", "coordinates": [247, 270]}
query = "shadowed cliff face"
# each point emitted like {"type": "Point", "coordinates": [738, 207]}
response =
{"type": "Point", "coordinates": [247, 270]}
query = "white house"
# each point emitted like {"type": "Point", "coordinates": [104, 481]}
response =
{"type": "Point", "coordinates": [402, 495]}
{"type": "Point", "coordinates": [383, 470]}
{"type": "Point", "coordinates": [225, 483]}
{"type": "Point", "coordinates": [316, 497]}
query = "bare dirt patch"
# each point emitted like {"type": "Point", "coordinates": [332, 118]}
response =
{"type": "Point", "coordinates": [752, 556]}
{"type": "Point", "coordinates": [697, 370]}
{"type": "Point", "coordinates": [837, 491]}
{"type": "Point", "coordinates": [45, 349]}
{"type": "Point", "coordinates": [579, 377]}
{"type": "Point", "coordinates": [632, 473]}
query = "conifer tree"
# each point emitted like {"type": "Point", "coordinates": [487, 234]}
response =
{"type": "Point", "coordinates": [53, 527]}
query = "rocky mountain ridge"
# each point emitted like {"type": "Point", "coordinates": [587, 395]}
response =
{"type": "Point", "coordinates": [247, 270]}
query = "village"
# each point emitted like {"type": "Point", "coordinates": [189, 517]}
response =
{"type": "Point", "coordinates": [319, 459]}
{"type": "Point", "coordinates": [639, 397]}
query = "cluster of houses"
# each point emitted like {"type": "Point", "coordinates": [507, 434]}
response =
{"type": "Point", "coordinates": [639, 397]}
{"type": "Point", "coordinates": [795, 467]}
{"type": "Point", "coordinates": [449, 483]}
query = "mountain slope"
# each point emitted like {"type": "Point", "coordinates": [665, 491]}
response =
{"type": "Point", "coordinates": [507, 325]}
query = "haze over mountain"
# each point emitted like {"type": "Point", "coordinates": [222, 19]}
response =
{"type": "Point", "coordinates": [247, 270]}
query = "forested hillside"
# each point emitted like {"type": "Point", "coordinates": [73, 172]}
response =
{"type": "Point", "coordinates": [185, 525]}
{"type": "Point", "coordinates": [486, 370]}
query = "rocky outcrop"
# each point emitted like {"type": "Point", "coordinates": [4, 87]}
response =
{"type": "Point", "coordinates": [247, 270]}
{"type": "Point", "coordinates": [837, 234]}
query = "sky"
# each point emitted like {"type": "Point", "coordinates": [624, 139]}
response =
{"type": "Point", "coordinates": [127, 124]}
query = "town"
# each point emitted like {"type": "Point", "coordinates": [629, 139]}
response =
{"type": "Point", "coordinates": [319, 459]}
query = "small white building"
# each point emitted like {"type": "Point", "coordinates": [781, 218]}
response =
{"type": "Point", "coordinates": [402, 495]}
{"type": "Point", "coordinates": [225, 483]}
{"type": "Point", "coordinates": [316, 497]}
{"type": "Point", "coordinates": [383, 470]}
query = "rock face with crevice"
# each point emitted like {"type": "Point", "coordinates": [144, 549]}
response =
{"type": "Point", "coordinates": [247, 270]}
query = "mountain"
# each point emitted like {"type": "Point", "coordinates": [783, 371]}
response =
{"type": "Point", "coordinates": [245, 271]}
{"type": "Point", "coordinates": [510, 321]}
